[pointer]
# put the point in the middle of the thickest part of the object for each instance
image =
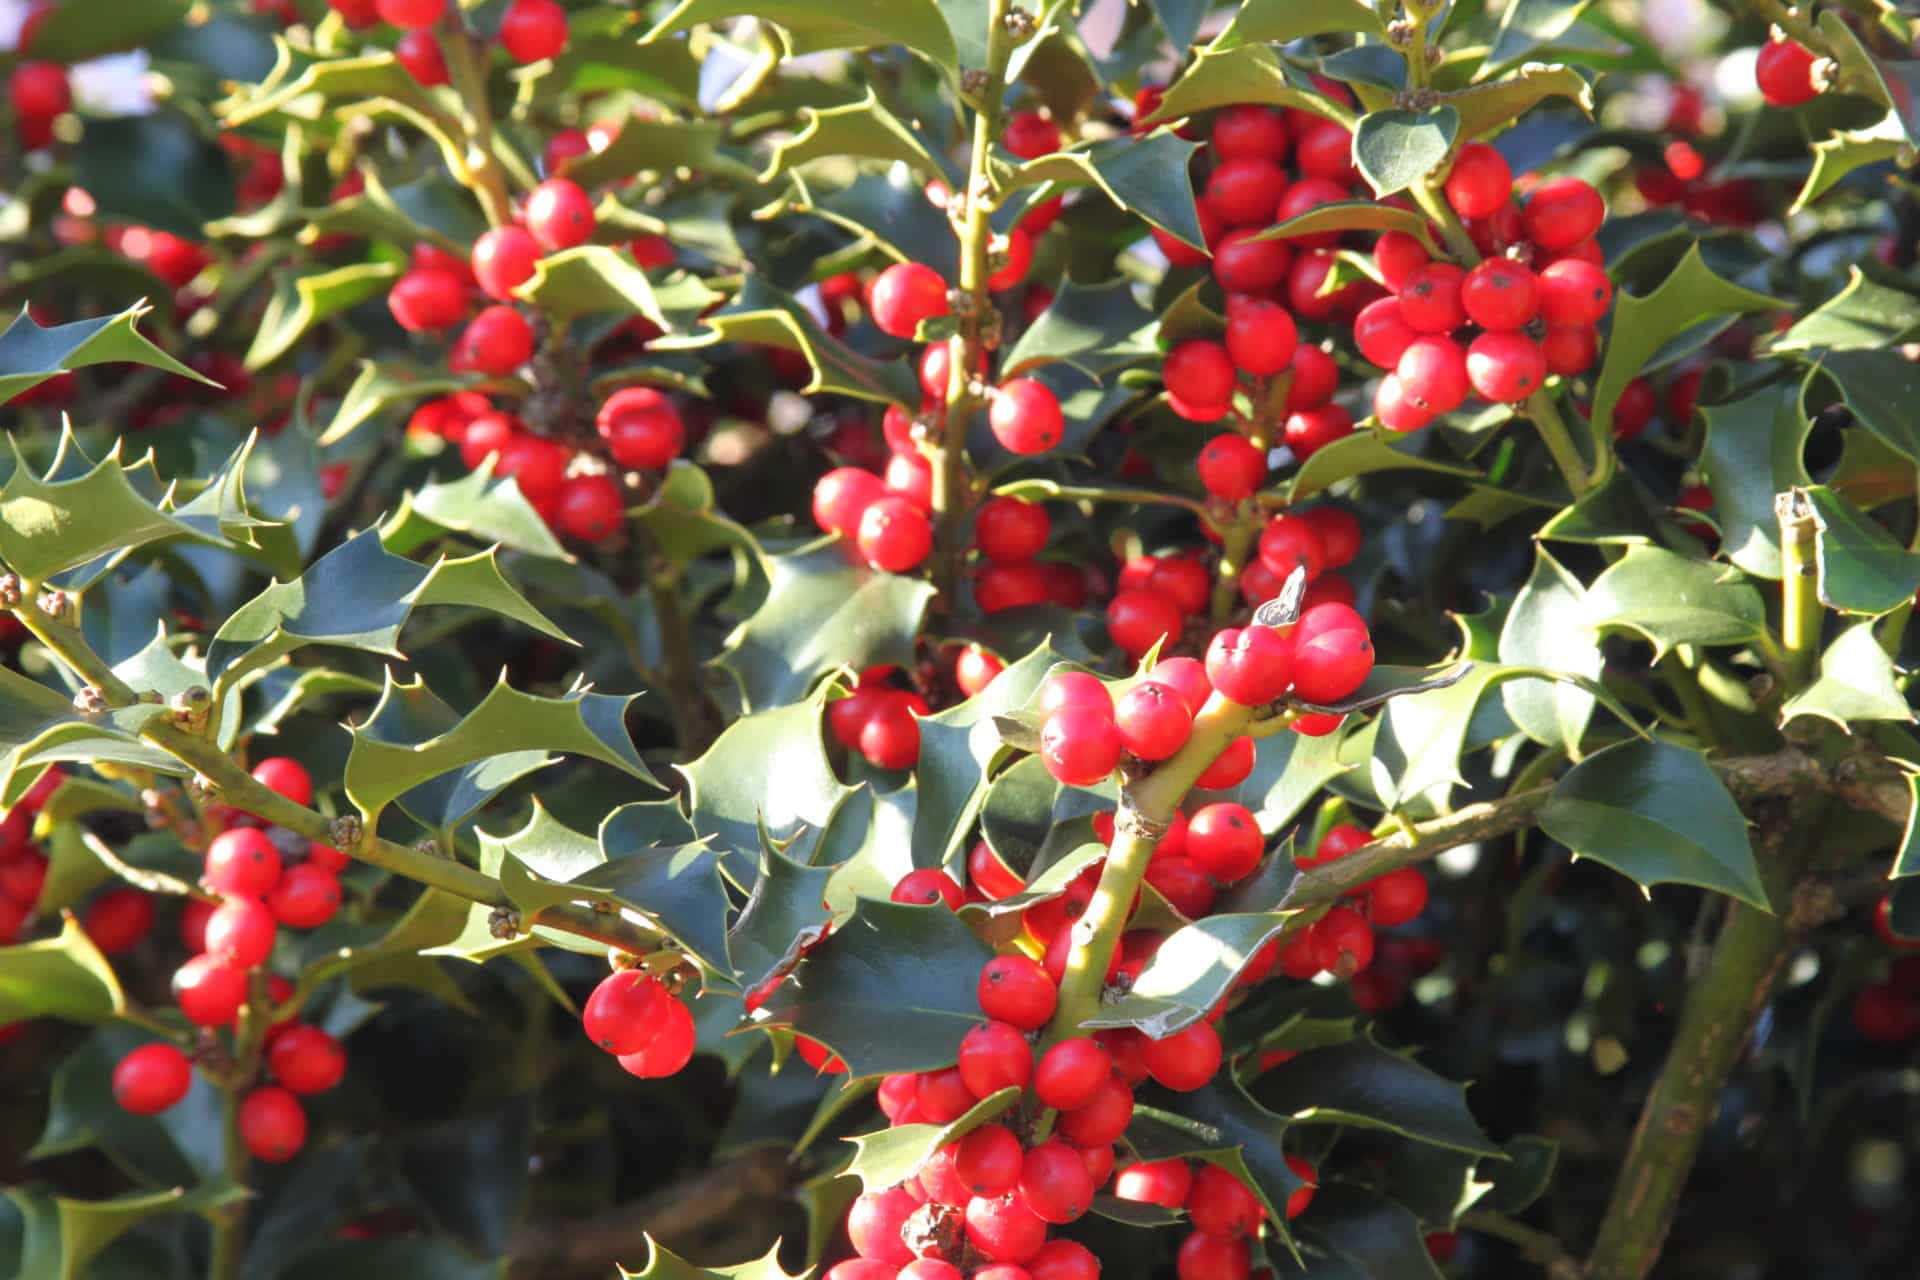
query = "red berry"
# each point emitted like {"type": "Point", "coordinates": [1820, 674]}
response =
{"type": "Point", "coordinates": [1885, 1015]}
{"type": "Point", "coordinates": [1313, 293]}
{"type": "Point", "coordinates": [240, 932]}
{"type": "Point", "coordinates": [1311, 430]}
{"type": "Point", "coordinates": [537, 465]}
{"type": "Point", "coordinates": [1074, 689]}
{"type": "Point", "coordinates": [942, 1096]}
{"type": "Point", "coordinates": [1225, 840]}
{"type": "Point", "coordinates": [1305, 196]}
{"type": "Point", "coordinates": [1004, 1229]}
{"type": "Point", "coordinates": [1025, 416]}
{"type": "Point", "coordinates": [1396, 897]}
{"type": "Point", "coordinates": [590, 508]}
{"type": "Point", "coordinates": [625, 1011]}
{"type": "Point", "coordinates": [1288, 543]}
{"type": "Point", "coordinates": [1382, 333]}
{"type": "Point", "coordinates": [1479, 182]}
{"type": "Point", "coordinates": [1244, 265]}
{"type": "Point", "coordinates": [873, 1225]}
{"type": "Point", "coordinates": [1784, 72]}
{"type": "Point", "coordinates": [1430, 298]}
{"type": "Point", "coordinates": [1185, 1060]}
{"type": "Point", "coordinates": [306, 1059]}
{"type": "Point", "coordinates": [927, 886]}
{"type": "Point", "coordinates": [1230, 768]}
{"type": "Point", "coordinates": [988, 1161]}
{"type": "Point", "coordinates": [1573, 292]}
{"type": "Point", "coordinates": [842, 496]}
{"type": "Point", "coordinates": [1162, 1182]}
{"type": "Point", "coordinates": [1017, 246]}
{"type": "Point", "coordinates": [904, 295]}
{"type": "Point", "coordinates": [1205, 1257]}
{"type": "Point", "coordinates": [1012, 586]}
{"type": "Point", "coordinates": [1219, 1204]}
{"type": "Point", "coordinates": [39, 90]}
{"type": "Point", "coordinates": [1249, 131]}
{"type": "Point", "coordinates": [1432, 375]}
{"type": "Point", "coordinates": [151, 1079]}
{"type": "Point", "coordinates": [1500, 294]}
{"type": "Point", "coordinates": [989, 875]}
{"type": "Point", "coordinates": [498, 341]}
{"type": "Point", "coordinates": [420, 56]}
{"type": "Point", "coordinates": [1154, 720]}
{"type": "Point", "coordinates": [1231, 468]}
{"type": "Point", "coordinates": [1297, 1202]}
{"type": "Point", "coordinates": [1315, 378]}
{"type": "Point", "coordinates": [1338, 531]}
{"type": "Point", "coordinates": [410, 15]}
{"type": "Point", "coordinates": [1506, 367]}
{"type": "Point", "coordinates": [1261, 337]}
{"type": "Point", "coordinates": [1244, 192]}
{"type": "Point", "coordinates": [890, 736]}
{"type": "Point", "coordinates": [272, 1124]}
{"type": "Point", "coordinates": [975, 669]}
{"type": "Point", "coordinates": [305, 898]}
{"type": "Point", "coordinates": [1055, 1182]}
{"type": "Point", "coordinates": [1199, 372]}
{"type": "Point", "coordinates": [895, 535]}
{"type": "Point", "coordinates": [1138, 618]}
{"type": "Point", "coordinates": [427, 301]}
{"type": "Point", "coordinates": [503, 260]}
{"type": "Point", "coordinates": [1065, 1259]}
{"type": "Point", "coordinates": [1570, 349]}
{"type": "Point", "coordinates": [1329, 664]}
{"type": "Point", "coordinates": [1183, 883]}
{"type": "Point", "coordinates": [533, 29]}
{"type": "Point", "coordinates": [242, 861]}
{"type": "Point", "coordinates": [1562, 212]}
{"type": "Point", "coordinates": [1325, 150]}
{"type": "Point", "coordinates": [1008, 529]}
{"type": "Point", "coordinates": [646, 439]}
{"type": "Point", "coordinates": [1250, 665]}
{"type": "Point", "coordinates": [1016, 990]}
{"type": "Point", "coordinates": [862, 1269]}
{"type": "Point", "coordinates": [1397, 255]}
{"type": "Point", "coordinates": [559, 214]}
{"type": "Point", "coordinates": [1183, 580]}
{"type": "Point", "coordinates": [671, 1047]}
{"type": "Point", "coordinates": [118, 919]}
{"type": "Point", "coordinates": [1030, 135]}
{"type": "Point", "coordinates": [994, 1056]}
{"type": "Point", "coordinates": [208, 992]}
{"type": "Point", "coordinates": [1634, 409]}
{"type": "Point", "coordinates": [1343, 942]}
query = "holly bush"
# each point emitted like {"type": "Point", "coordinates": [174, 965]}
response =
{"type": "Point", "coordinates": [958, 639]}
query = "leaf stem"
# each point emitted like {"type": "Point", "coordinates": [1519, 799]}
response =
{"type": "Point", "coordinates": [1800, 613]}
{"type": "Point", "coordinates": [694, 715]}
{"type": "Point", "coordinates": [946, 449]}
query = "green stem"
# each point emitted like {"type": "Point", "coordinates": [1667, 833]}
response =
{"type": "Point", "coordinates": [1453, 232]}
{"type": "Point", "coordinates": [1693, 703]}
{"type": "Point", "coordinates": [64, 640]}
{"type": "Point", "coordinates": [230, 1223]}
{"type": "Point", "coordinates": [1801, 614]}
{"type": "Point", "coordinates": [695, 719]}
{"type": "Point", "coordinates": [466, 68]}
{"type": "Point", "coordinates": [1554, 433]}
{"type": "Point", "coordinates": [946, 448]}
{"type": "Point", "coordinates": [1417, 842]}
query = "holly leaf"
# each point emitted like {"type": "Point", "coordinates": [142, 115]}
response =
{"type": "Point", "coordinates": [918, 25]}
{"type": "Point", "coordinates": [1496, 104]}
{"type": "Point", "coordinates": [1657, 814]}
{"type": "Point", "coordinates": [1880, 387]}
{"type": "Point", "coordinates": [526, 861]}
{"type": "Point", "coordinates": [62, 977]}
{"type": "Point", "coordinates": [481, 505]}
{"type": "Point", "coordinates": [887, 1157]}
{"type": "Point", "coordinates": [667, 875]}
{"type": "Point", "coordinates": [767, 770]}
{"type": "Point", "coordinates": [596, 279]}
{"type": "Point", "coordinates": [1547, 627]}
{"type": "Point", "coordinates": [1366, 1235]}
{"type": "Point", "coordinates": [1193, 969]}
{"type": "Point", "coordinates": [299, 303]}
{"type": "Point", "coordinates": [1691, 293]}
{"type": "Point", "coordinates": [1360, 1083]}
{"type": "Point", "coordinates": [1132, 173]}
{"type": "Point", "coordinates": [1523, 1176]}
{"type": "Point", "coordinates": [1670, 599]}
{"type": "Point", "coordinates": [383, 386]}
{"type": "Point", "coordinates": [78, 513]}
{"type": "Point", "coordinates": [1221, 1124]}
{"type": "Point", "coordinates": [1098, 329]}
{"type": "Point", "coordinates": [1862, 569]}
{"type": "Point", "coordinates": [893, 989]}
{"type": "Point", "coordinates": [80, 30]}
{"type": "Point", "coordinates": [822, 611]}
{"type": "Point", "coordinates": [1283, 21]}
{"type": "Point", "coordinates": [1856, 681]}
{"type": "Point", "coordinates": [1352, 215]}
{"type": "Point", "coordinates": [413, 750]}
{"type": "Point", "coordinates": [30, 354]}
{"type": "Point", "coordinates": [1865, 314]}
{"type": "Point", "coordinates": [663, 1264]}
{"type": "Point", "coordinates": [1394, 149]}
{"type": "Point", "coordinates": [865, 129]}
{"type": "Point", "coordinates": [786, 913]}
{"type": "Point", "coordinates": [1220, 77]}
{"type": "Point", "coordinates": [359, 596]}
{"type": "Point", "coordinates": [659, 146]}
{"type": "Point", "coordinates": [64, 1235]}
{"type": "Point", "coordinates": [1364, 453]}
{"type": "Point", "coordinates": [1753, 451]}
{"type": "Point", "coordinates": [1845, 150]}
{"type": "Point", "coordinates": [39, 727]}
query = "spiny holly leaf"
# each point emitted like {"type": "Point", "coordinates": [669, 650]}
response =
{"type": "Point", "coordinates": [1435, 1184]}
{"type": "Point", "coordinates": [77, 514]}
{"type": "Point", "coordinates": [1132, 172]}
{"type": "Point", "coordinates": [1246, 73]}
{"type": "Point", "coordinates": [822, 611]}
{"type": "Point", "coordinates": [786, 913]}
{"type": "Point", "coordinates": [863, 129]}
{"type": "Point", "coordinates": [1283, 21]}
{"type": "Point", "coordinates": [761, 313]}
{"type": "Point", "coordinates": [65, 1235]}
{"type": "Point", "coordinates": [79, 30]}
{"type": "Point", "coordinates": [63, 977]}
{"type": "Point", "coordinates": [359, 596]}
{"type": "Point", "coordinates": [1856, 682]}
{"type": "Point", "coordinates": [1845, 150]}
{"type": "Point", "coordinates": [544, 847]}
{"type": "Point", "coordinates": [29, 354]}
{"type": "Point", "coordinates": [1289, 769]}
{"type": "Point", "coordinates": [1881, 388]}
{"type": "Point", "coordinates": [1192, 970]}
{"type": "Point", "coordinates": [662, 1264]}
{"type": "Point", "coordinates": [1528, 25]}
{"type": "Point", "coordinates": [39, 727]}
{"type": "Point", "coordinates": [1098, 329]}
{"type": "Point", "coordinates": [1360, 1083]}
{"type": "Point", "coordinates": [1691, 293]}
{"type": "Point", "coordinates": [956, 746]}
{"type": "Point", "coordinates": [1862, 569]}
{"type": "Point", "coordinates": [1494, 105]}
{"type": "Point", "coordinates": [1547, 627]}
{"type": "Point", "coordinates": [1672, 599]}
{"type": "Point", "coordinates": [770, 770]}
{"type": "Point", "coordinates": [1352, 215]}
{"type": "Point", "coordinates": [656, 866]}
{"type": "Point", "coordinates": [1657, 814]}
{"type": "Point", "coordinates": [1753, 451]}
{"type": "Point", "coordinates": [1221, 1124]}
{"type": "Point", "coordinates": [300, 83]}
{"type": "Point", "coordinates": [380, 955]}
{"type": "Point", "coordinates": [1523, 1176]}
{"type": "Point", "coordinates": [301, 302]}
{"type": "Point", "coordinates": [659, 146]}
{"type": "Point", "coordinates": [480, 505]}
{"type": "Point", "coordinates": [408, 747]}
{"type": "Point", "coordinates": [685, 519]}
{"type": "Point", "coordinates": [1364, 453]}
{"type": "Point", "coordinates": [918, 25]}
{"type": "Point", "coordinates": [888, 1157]}
{"type": "Point", "coordinates": [1363, 1235]}
{"type": "Point", "coordinates": [1891, 84]}
{"type": "Point", "coordinates": [893, 989]}
{"type": "Point", "coordinates": [1618, 512]}
{"type": "Point", "coordinates": [1866, 314]}
{"type": "Point", "coordinates": [431, 209]}
{"type": "Point", "coordinates": [223, 510]}
{"type": "Point", "coordinates": [283, 691]}
{"type": "Point", "coordinates": [1394, 149]}
{"type": "Point", "coordinates": [887, 211]}
{"type": "Point", "coordinates": [594, 279]}
{"type": "Point", "coordinates": [386, 385]}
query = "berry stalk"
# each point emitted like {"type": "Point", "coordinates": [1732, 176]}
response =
{"type": "Point", "coordinates": [468, 74]}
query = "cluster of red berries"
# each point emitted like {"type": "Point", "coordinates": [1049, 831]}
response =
{"type": "Point", "coordinates": [1224, 1214]}
{"type": "Point", "coordinates": [530, 30]}
{"type": "Point", "coordinates": [633, 1016]}
{"type": "Point", "coordinates": [880, 720]}
{"type": "Point", "coordinates": [1261, 341]}
{"type": "Point", "coordinates": [1786, 72]}
{"type": "Point", "coordinates": [37, 89]}
{"type": "Point", "coordinates": [1535, 298]}
{"type": "Point", "coordinates": [261, 888]}
{"type": "Point", "coordinates": [115, 920]}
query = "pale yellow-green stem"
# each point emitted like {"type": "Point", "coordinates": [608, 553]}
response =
{"type": "Point", "coordinates": [1801, 614]}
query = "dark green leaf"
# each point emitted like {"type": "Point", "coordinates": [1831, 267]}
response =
{"type": "Point", "coordinates": [479, 505]}
{"type": "Point", "coordinates": [863, 129]}
{"type": "Point", "coordinates": [1671, 599]}
{"type": "Point", "coordinates": [65, 1235]}
{"type": "Point", "coordinates": [1360, 1083]}
{"type": "Point", "coordinates": [29, 354]}
{"type": "Point", "coordinates": [918, 25]}
{"type": "Point", "coordinates": [1098, 329]}
{"type": "Point", "coordinates": [1753, 451]}
{"type": "Point", "coordinates": [1352, 215]}
{"type": "Point", "coordinates": [1862, 569]}
{"type": "Point", "coordinates": [1547, 627]}
{"type": "Point", "coordinates": [663, 1264]}
{"type": "Point", "coordinates": [1528, 25]}
{"type": "Point", "coordinates": [1395, 149]}
{"type": "Point", "coordinates": [1364, 453]}
{"type": "Point", "coordinates": [787, 912]}
{"type": "Point", "coordinates": [299, 303]}
{"type": "Point", "coordinates": [157, 170]}
{"type": "Point", "coordinates": [890, 1156]}
{"type": "Point", "coordinates": [1658, 815]}
{"type": "Point", "coordinates": [1191, 971]}
{"type": "Point", "coordinates": [1221, 1124]}
{"type": "Point", "coordinates": [1366, 1235]}
{"type": "Point", "coordinates": [1856, 681]}
{"type": "Point", "coordinates": [64, 977]}
{"type": "Point", "coordinates": [1282, 21]}
{"type": "Point", "coordinates": [1522, 1178]}
{"type": "Point", "coordinates": [1865, 314]}
{"type": "Point", "coordinates": [1246, 73]}
{"type": "Point", "coordinates": [77, 30]}
{"type": "Point", "coordinates": [770, 769]}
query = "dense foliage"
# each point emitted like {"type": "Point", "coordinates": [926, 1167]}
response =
{"type": "Point", "coordinates": [939, 640]}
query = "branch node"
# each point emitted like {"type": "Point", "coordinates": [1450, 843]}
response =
{"type": "Point", "coordinates": [9, 590]}
{"type": "Point", "coordinates": [344, 833]}
{"type": "Point", "coordinates": [90, 702]}
{"type": "Point", "coordinates": [1131, 822]}
{"type": "Point", "coordinates": [504, 923]}
{"type": "Point", "coordinates": [54, 603]}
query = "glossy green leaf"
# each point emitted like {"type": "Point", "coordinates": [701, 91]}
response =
{"type": "Point", "coordinates": [1528, 25]}
{"type": "Point", "coordinates": [893, 989]}
{"type": "Point", "coordinates": [1435, 1184]}
{"type": "Point", "coordinates": [918, 25]}
{"type": "Point", "coordinates": [301, 302]}
{"type": "Point", "coordinates": [1856, 681]}
{"type": "Point", "coordinates": [30, 354]}
{"type": "Point", "coordinates": [1281, 21]}
{"type": "Point", "coordinates": [65, 1235]}
{"type": "Point", "coordinates": [1246, 73]}
{"type": "Point", "coordinates": [1889, 83]}
{"type": "Point", "coordinates": [1365, 453]}
{"type": "Point", "coordinates": [1862, 569]}
{"type": "Point", "coordinates": [593, 279]}
{"type": "Point", "coordinates": [161, 169]}
{"type": "Point", "coordinates": [1547, 627]}
{"type": "Point", "coordinates": [1753, 451]}
{"type": "Point", "coordinates": [659, 146]}
{"type": "Point", "coordinates": [1193, 969]}
{"type": "Point", "coordinates": [766, 769]}
{"type": "Point", "coordinates": [1844, 151]}
{"type": "Point", "coordinates": [1132, 173]}
{"type": "Point", "coordinates": [1354, 1232]}
{"type": "Point", "coordinates": [1524, 1175]}
{"type": "Point", "coordinates": [663, 1264]}
{"type": "Point", "coordinates": [1670, 599]}
{"type": "Point", "coordinates": [1865, 314]}
{"type": "Point", "coordinates": [786, 913]}
{"type": "Point", "coordinates": [479, 505]}
{"type": "Point", "coordinates": [383, 386]}
{"type": "Point", "coordinates": [1657, 814]}
{"type": "Point", "coordinates": [77, 30]}
{"type": "Point", "coordinates": [890, 1156]}
{"type": "Point", "coordinates": [1352, 215]}
{"type": "Point", "coordinates": [1221, 1124]}
{"type": "Point", "coordinates": [1098, 329]}
{"type": "Point", "coordinates": [62, 977]}
{"type": "Point", "coordinates": [1394, 149]}
{"type": "Point", "coordinates": [822, 611]}
{"type": "Point", "coordinates": [865, 130]}
{"type": "Point", "coordinates": [413, 750]}
{"type": "Point", "coordinates": [1491, 106]}
{"type": "Point", "coordinates": [1881, 388]}
{"type": "Point", "coordinates": [1691, 293]}
{"type": "Point", "coordinates": [1361, 1083]}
